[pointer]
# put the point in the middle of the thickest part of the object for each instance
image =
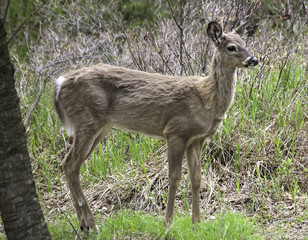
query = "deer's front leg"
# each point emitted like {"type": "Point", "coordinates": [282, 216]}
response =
{"type": "Point", "coordinates": [193, 153]}
{"type": "Point", "coordinates": [176, 149]}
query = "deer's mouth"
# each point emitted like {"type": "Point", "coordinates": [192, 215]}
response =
{"type": "Point", "coordinates": [249, 66]}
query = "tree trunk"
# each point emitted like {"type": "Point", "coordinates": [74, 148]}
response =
{"type": "Point", "coordinates": [19, 206]}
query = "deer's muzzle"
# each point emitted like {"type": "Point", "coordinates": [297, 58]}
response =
{"type": "Point", "coordinates": [251, 62]}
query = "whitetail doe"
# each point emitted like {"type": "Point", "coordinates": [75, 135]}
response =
{"type": "Point", "coordinates": [182, 110]}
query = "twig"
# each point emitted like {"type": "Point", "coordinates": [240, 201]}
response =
{"type": "Point", "coordinates": [189, 59]}
{"type": "Point", "coordinates": [180, 26]}
{"type": "Point", "coordinates": [225, 21]}
{"type": "Point", "coordinates": [92, 19]}
{"type": "Point", "coordinates": [302, 28]}
{"type": "Point", "coordinates": [278, 82]}
{"type": "Point", "coordinates": [21, 25]}
{"type": "Point", "coordinates": [130, 49]}
{"type": "Point", "coordinates": [173, 15]}
{"type": "Point", "coordinates": [69, 222]}
{"type": "Point", "coordinates": [260, 71]}
{"type": "Point", "coordinates": [254, 80]}
{"type": "Point", "coordinates": [128, 41]}
{"type": "Point", "coordinates": [41, 90]}
{"type": "Point", "coordinates": [160, 54]}
{"type": "Point", "coordinates": [182, 37]}
{"type": "Point", "coordinates": [38, 97]}
{"type": "Point", "coordinates": [6, 9]}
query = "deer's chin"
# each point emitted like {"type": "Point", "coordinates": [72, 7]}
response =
{"type": "Point", "coordinates": [249, 66]}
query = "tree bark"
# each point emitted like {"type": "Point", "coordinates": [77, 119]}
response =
{"type": "Point", "coordinates": [19, 206]}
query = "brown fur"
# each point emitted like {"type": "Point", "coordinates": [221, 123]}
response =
{"type": "Point", "coordinates": [182, 110]}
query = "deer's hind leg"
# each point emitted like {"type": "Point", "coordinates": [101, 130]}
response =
{"type": "Point", "coordinates": [84, 143]}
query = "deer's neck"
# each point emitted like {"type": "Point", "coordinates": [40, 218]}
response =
{"type": "Point", "coordinates": [223, 80]}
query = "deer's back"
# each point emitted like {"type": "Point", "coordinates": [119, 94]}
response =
{"type": "Point", "coordinates": [153, 104]}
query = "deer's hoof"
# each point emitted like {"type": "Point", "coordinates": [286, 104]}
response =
{"type": "Point", "coordinates": [85, 229]}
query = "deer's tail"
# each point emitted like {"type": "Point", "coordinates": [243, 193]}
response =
{"type": "Point", "coordinates": [59, 110]}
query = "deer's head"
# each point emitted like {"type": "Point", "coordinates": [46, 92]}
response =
{"type": "Point", "coordinates": [230, 47]}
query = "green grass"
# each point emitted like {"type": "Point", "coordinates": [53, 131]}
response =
{"type": "Point", "coordinates": [44, 141]}
{"type": "Point", "coordinates": [127, 224]}
{"type": "Point", "coordinates": [118, 148]}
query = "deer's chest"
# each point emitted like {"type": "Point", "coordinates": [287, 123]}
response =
{"type": "Point", "coordinates": [206, 130]}
{"type": "Point", "coordinates": [214, 127]}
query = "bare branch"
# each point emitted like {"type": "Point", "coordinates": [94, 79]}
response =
{"type": "Point", "coordinates": [74, 229]}
{"type": "Point", "coordinates": [278, 82]}
{"type": "Point", "coordinates": [26, 20]}
{"type": "Point", "coordinates": [6, 9]}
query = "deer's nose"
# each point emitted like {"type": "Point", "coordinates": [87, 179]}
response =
{"type": "Point", "coordinates": [253, 61]}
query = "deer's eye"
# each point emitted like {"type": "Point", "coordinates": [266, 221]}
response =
{"type": "Point", "coordinates": [231, 48]}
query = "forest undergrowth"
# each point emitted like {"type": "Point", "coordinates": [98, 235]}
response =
{"type": "Point", "coordinates": [256, 164]}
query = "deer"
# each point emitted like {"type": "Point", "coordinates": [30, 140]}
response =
{"type": "Point", "coordinates": [183, 110]}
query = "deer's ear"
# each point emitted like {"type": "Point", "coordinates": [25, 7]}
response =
{"type": "Point", "coordinates": [247, 29]}
{"type": "Point", "coordinates": [214, 31]}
